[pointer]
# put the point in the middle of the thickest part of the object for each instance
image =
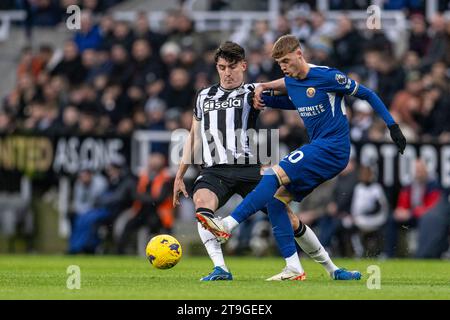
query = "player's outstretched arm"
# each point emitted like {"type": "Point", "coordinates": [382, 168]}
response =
{"type": "Point", "coordinates": [276, 85]}
{"type": "Point", "coordinates": [278, 102]}
{"type": "Point", "coordinates": [336, 81]}
{"type": "Point", "coordinates": [378, 105]}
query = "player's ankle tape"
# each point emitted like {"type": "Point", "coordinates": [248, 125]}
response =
{"type": "Point", "coordinates": [206, 212]}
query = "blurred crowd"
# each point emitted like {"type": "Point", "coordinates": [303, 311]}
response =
{"type": "Point", "coordinates": [51, 12]}
{"type": "Point", "coordinates": [113, 77]}
{"type": "Point", "coordinates": [100, 200]}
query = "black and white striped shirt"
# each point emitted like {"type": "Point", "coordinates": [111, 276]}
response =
{"type": "Point", "coordinates": [226, 117]}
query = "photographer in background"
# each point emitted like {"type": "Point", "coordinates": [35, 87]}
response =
{"type": "Point", "coordinates": [369, 212]}
{"type": "Point", "coordinates": [88, 187]}
{"type": "Point", "coordinates": [152, 205]}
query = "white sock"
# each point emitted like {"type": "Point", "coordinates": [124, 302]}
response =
{"type": "Point", "coordinates": [230, 223]}
{"type": "Point", "coordinates": [313, 248]}
{"type": "Point", "coordinates": [293, 263]}
{"type": "Point", "coordinates": [212, 247]}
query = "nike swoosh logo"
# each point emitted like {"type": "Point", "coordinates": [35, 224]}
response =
{"type": "Point", "coordinates": [219, 278]}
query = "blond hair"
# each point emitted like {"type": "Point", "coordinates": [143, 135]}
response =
{"type": "Point", "coordinates": [284, 45]}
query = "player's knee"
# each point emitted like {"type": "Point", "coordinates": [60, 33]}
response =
{"type": "Point", "coordinates": [205, 200]}
{"type": "Point", "coordinates": [283, 178]}
{"type": "Point", "coordinates": [200, 202]}
{"type": "Point", "coordinates": [284, 196]}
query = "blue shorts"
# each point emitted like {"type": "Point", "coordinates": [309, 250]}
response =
{"type": "Point", "coordinates": [312, 164]}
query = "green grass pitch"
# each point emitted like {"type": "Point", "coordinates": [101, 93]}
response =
{"type": "Point", "coordinates": [109, 277]}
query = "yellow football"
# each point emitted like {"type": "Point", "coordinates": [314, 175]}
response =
{"type": "Point", "coordinates": [163, 251]}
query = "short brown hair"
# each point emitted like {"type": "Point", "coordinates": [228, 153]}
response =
{"type": "Point", "coordinates": [230, 51]}
{"type": "Point", "coordinates": [284, 45]}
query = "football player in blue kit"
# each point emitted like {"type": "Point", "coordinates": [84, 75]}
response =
{"type": "Point", "coordinates": [317, 93]}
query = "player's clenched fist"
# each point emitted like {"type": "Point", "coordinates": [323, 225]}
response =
{"type": "Point", "coordinates": [178, 187]}
{"type": "Point", "coordinates": [258, 102]}
{"type": "Point", "coordinates": [398, 137]}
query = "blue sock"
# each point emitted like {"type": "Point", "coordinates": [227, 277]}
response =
{"type": "Point", "coordinates": [258, 198]}
{"type": "Point", "coordinates": [281, 227]}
